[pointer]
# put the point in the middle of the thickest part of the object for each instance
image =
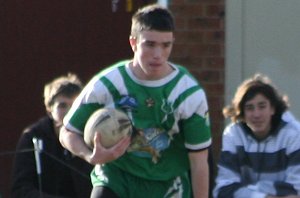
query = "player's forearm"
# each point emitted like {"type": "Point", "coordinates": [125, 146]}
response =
{"type": "Point", "coordinates": [200, 183]}
{"type": "Point", "coordinates": [200, 174]}
{"type": "Point", "coordinates": [75, 144]}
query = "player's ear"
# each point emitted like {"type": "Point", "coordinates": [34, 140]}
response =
{"type": "Point", "coordinates": [133, 42]}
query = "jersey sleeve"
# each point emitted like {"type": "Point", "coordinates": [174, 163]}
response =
{"type": "Point", "coordinates": [196, 126]}
{"type": "Point", "coordinates": [85, 104]}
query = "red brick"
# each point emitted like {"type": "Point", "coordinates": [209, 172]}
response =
{"type": "Point", "coordinates": [214, 36]}
{"type": "Point", "coordinates": [202, 23]}
{"type": "Point", "coordinates": [216, 102]}
{"type": "Point", "coordinates": [188, 37]}
{"type": "Point", "coordinates": [216, 89]}
{"type": "Point", "coordinates": [214, 62]}
{"type": "Point", "coordinates": [180, 50]}
{"type": "Point", "coordinates": [215, 10]}
{"type": "Point", "coordinates": [190, 63]}
{"type": "Point", "coordinates": [201, 50]}
{"type": "Point", "coordinates": [180, 23]}
{"type": "Point", "coordinates": [177, 2]}
{"type": "Point", "coordinates": [187, 10]}
{"type": "Point", "coordinates": [203, 1]}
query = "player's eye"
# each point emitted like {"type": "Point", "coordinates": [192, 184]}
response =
{"type": "Point", "coordinates": [62, 105]}
{"type": "Point", "coordinates": [166, 45]}
{"type": "Point", "coordinates": [249, 107]}
{"type": "Point", "coordinates": [149, 44]}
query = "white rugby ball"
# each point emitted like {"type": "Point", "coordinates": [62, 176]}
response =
{"type": "Point", "coordinates": [113, 124]}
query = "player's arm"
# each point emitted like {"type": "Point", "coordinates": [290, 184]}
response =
{"type": "Point", "coordinates": [99, 155]}
{"type": "Point", "coordinates": [199, 173]}
{"type": "Point", "coordinates": [75, 144]}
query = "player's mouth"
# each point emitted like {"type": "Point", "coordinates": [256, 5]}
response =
{"type": "Point", "coordinates": [155, 65]}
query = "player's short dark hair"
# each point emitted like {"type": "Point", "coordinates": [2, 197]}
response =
{"type": "Point", "coordinates": [152, 17]}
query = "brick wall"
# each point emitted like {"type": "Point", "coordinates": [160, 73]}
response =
{"type": "Point", "coordinates": [199, 46]}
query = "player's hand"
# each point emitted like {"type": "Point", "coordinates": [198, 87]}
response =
{"type": "Point", "coordinates": [103, 155]}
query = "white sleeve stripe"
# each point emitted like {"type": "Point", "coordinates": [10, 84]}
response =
{"type": "Point", "coordinates": [198, 146]}
{"type": "Point", "coordinates": [73, 129]}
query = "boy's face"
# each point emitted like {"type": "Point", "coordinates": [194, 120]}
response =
{"type": "Point", "coordinates": [258, 115]}
{"type": "Point", "coordinates": [60, 108]}
{"type": "Point", "coordinates": [151, 53]}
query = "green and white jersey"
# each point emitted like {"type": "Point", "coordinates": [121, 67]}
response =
{"type": "Point", "coordinates": [171, 114]}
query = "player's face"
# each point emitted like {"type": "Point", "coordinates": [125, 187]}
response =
{"type": "Point", "coordinates": [151, 53]}
{"type": "Point", "coordinates": [60, 108]}
{"type": "Point", "coordinates": [258, 114]}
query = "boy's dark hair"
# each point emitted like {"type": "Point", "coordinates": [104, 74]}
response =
{"type": "Point", "coordinates": [152, 17]}
{"type": "Point", "coordinates": [258, 84]}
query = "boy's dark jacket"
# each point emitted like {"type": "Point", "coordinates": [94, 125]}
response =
{"type": "Point", "coordinates": [62, 174]}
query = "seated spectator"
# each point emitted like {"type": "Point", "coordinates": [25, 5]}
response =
{"type": "Point", "coordinates": [62, 175]}
{"type": "Point", "coordinates": [260, 155]}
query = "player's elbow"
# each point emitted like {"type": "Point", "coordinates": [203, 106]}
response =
{"type": "Point", "coordinates": [62, 136]}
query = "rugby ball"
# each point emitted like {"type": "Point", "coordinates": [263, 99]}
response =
{"type": "Point", "coordinates": [113, 124]}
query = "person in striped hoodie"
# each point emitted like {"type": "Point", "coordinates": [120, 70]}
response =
{"type": "Point", "coordinates": [260, 156]}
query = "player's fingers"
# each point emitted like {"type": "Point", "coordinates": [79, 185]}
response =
{"type": "Point", "coordinates": [97, 142]}
{"type": "Point", "coordinates": [122, 145]}
{"type": "Point", "coordinates": [125, 141]}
